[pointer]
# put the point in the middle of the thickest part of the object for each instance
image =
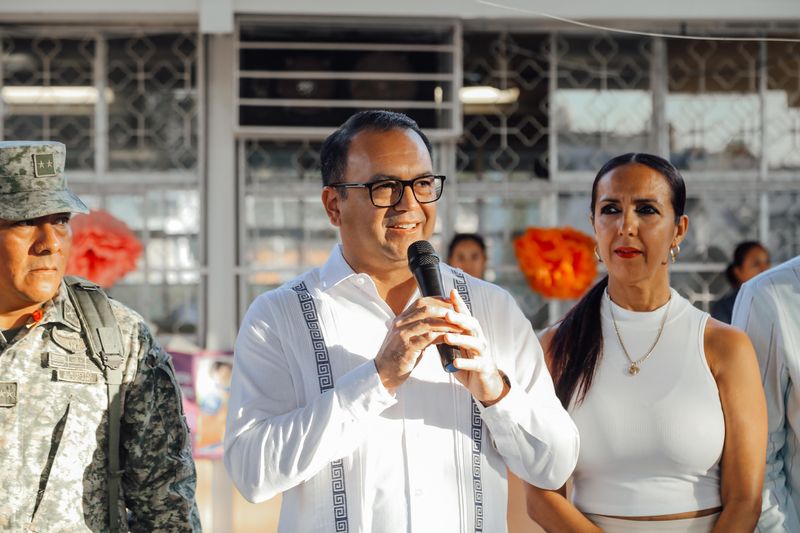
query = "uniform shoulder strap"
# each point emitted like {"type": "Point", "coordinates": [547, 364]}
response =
{"type": "Point", "coordinates": [105, 341]}
{"type": "Point", "coordinates": [99, 323]}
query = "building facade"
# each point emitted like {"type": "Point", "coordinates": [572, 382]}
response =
{"type": "Point", "coordinates": [200, 127]}
{"type": "Point", "coordinates": [199, 123]}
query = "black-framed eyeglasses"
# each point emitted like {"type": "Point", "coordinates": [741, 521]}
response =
{"type": "Point", "coordinates": [389, 192]}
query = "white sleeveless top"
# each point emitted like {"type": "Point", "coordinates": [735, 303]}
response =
{"type": "Point", "coordinates": [650, 443]}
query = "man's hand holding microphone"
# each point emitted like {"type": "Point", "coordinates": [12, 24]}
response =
{"type": "Point", "coordinates": [446, 323]}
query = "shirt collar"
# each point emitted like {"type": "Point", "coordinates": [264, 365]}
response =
{"type": "Point", "coordinates": [59, 310]}
{"type": "Point", "coordinates": [335, 270]}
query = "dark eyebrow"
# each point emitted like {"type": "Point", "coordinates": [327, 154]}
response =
{"type": "Point", "coordinates": [384, 177]}
{"type": "Point", "coordinates": [636, 200]}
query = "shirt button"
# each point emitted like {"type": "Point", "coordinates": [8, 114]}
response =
{"type": "Point", "coordinates": [360, 281]}
{"type": "Point", "coordinates": [418, 492]}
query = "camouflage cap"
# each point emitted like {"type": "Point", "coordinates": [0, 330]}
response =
{"type": "Point", "coordinates": [32, 182]}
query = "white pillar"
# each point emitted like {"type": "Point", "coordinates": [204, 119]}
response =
{"type": "Point", "coordinates": [216, 16]}
{"type": "Point", "coordinates": [220, 177]}
{"type": "Point", "coordinates": [220, 221]}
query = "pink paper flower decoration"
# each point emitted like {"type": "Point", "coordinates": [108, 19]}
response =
{"type": "Point", "coordinates": [104, 250]}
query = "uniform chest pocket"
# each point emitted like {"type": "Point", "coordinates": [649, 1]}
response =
{"type": "Point", "coordinates": [69, 358]}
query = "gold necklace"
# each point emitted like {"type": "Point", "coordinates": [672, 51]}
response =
{"type": "Point", "coordinates": [633, 369]}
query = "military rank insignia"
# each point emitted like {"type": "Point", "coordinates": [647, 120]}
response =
{"type": "Point", "coordinates": [8, 393]}
{"type": "Point", "coordinates": [43, 165]}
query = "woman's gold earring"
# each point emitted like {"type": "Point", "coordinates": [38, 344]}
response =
{"type": "Point", "coordinates": [597, 255]}
{"type": "Point", "coordinates": [674, 251]}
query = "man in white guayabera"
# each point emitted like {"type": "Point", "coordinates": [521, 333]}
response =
{"type": "Point", "coordinates": [339, 399]}
{"type": "Point", "coordinates": [768, 309]}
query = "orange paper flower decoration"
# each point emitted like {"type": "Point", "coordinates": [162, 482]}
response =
{"type": "Point", "coordinates": [104, 250]}
{"type": "Point", "coordinates": [557, 262]}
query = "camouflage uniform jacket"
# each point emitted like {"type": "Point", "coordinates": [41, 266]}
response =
{"type": "Point", "coordinates": [54, 440]}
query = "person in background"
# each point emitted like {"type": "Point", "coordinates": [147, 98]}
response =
{"type": "Point", "coordinates": [750, 258]}
{"type": "Point", "coordinates": [667, 400]}
{"type": "Point", "coordinates": [467, 251]}
{"type": "Point", "coordinates": [339, 399]}
{"type": "Point", "coordinates": [56, 392]}
{"type": "Point", "coordinates": [768, 310]}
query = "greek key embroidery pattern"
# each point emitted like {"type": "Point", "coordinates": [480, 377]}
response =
{"type": "Point", "coordinates": [477, 423]}
{"type": "Point", "coordinates": [325, 379]}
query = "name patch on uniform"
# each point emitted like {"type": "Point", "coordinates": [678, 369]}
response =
{"type": "Point", "coordinates": [69, 361]}
{"type": "Point", "coordinates": [76, 376]}
{"type": "Point", "coordinates": [8, 393]}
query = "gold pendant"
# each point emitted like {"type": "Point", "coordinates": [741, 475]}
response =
{"type": "Point", "coordinates": [633, 369]}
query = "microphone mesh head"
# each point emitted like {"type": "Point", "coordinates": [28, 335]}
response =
{"type": "Point", "coordinates": [424, 260]}
{"type": "Point", "coordinates": [420, 248]}
{"type": "Point", "coordinates": [421, 253]}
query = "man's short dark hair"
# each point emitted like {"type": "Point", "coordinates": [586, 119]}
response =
{"type": "Point", "coordinates": [333, 155]}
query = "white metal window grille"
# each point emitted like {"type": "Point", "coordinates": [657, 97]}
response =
{"type": "Point", "coordinates": [308, 78]}
{"type": "Point", "coordinates": [727, 114]}
{"type": "Point", "coordinates": [127, 106]}
{"type": "Point", "coordinates": [608, 95]}
{"type": "Point", "coordinates": [284, 229]}
{"type": "Point", "coordinates": [296, 83]}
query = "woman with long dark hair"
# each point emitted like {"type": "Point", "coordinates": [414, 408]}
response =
{"type": "Point", "coordinates": [668, 401]}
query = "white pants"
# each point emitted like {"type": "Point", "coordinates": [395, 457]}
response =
{"type": "Point", "coordinates": [703, 524]}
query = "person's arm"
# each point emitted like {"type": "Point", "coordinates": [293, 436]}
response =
{"type": "Point", "coordinates": [158, 479]}
{"type": "Point", "coordinates": [274, 438]}
{"type": "Point", "coordinates": [756, 313]}
{"type": "Point", "coordinates": [554, 513]}
{"type": "Point", "coordinates": [550, 508]}
{"type": "Point", "coordinates": [528, 426]}
{"type": "Point", "coordinates": [733, 363]}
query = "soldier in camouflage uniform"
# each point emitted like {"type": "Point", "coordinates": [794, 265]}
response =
{"type": "Point", "coordinates": [53, 397]}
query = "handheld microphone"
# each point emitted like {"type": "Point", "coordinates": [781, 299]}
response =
{"type": "Point", "coordinates": [424, 264]}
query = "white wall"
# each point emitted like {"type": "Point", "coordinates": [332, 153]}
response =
{"type": "Point", "coordinates": [581, 9]}
{"type": "Point", "coordinates": [52, 10]}
{"type": "Point", "coordinates": [215, 14]}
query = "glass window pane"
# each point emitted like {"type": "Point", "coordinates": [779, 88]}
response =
{"type": "Point", "coordinates": [603, 103]}
{"type": "Point", "coordinates": [784, 225]}
{"type": "Point", "coordinates": [172, 307]}
{"type": "Point", "coordinates": [48, 94]}
{"type": "Point", "coordinates": [281, 162]}
{"type": "Point", "coordinates": [701, 288]}
{"type": "Point", "coordinates": [505, 140]}
{"type": "Point", "coordinates": [153, 115]}
{"type": "Point", "coordinates": [717, 223]}
{"type": "Point", "coordinates": [301, 92]}
{"type": "Point", "coordinates": [713, 106]}
{"type": "Point", "coordinates": [783, 106]}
